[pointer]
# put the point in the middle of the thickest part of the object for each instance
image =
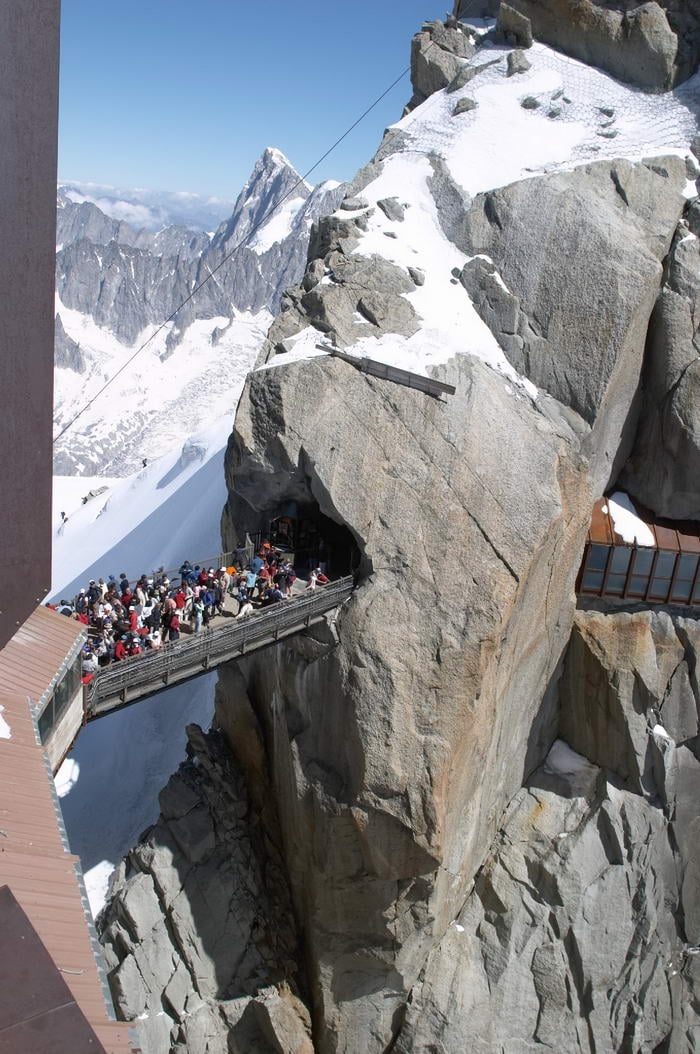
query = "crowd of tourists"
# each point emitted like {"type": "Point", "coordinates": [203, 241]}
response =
{"type": "Point", "coordinates": [126, 618]}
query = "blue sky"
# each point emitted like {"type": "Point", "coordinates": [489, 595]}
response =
{"type": "Point", "coordinates": [185, 95]}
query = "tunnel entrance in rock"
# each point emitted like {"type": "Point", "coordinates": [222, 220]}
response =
{"type": "Point", "coordinates": [313, 539]}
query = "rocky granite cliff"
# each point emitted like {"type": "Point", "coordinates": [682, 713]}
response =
{"type": "Point", "coordinates": [480, 799]}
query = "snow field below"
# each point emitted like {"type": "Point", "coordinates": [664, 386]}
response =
{"type": "Point", "coordinates": [159, 399]}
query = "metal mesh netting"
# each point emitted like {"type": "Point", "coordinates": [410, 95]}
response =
{"type": "Point", "coordinates": [613, 119]}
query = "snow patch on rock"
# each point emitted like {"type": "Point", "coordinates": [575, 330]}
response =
{"type": "Point", "coordinates": [626, 521]}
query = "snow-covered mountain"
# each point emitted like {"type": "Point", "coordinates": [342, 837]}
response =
{"type": "Point", "coordinates": [116, 285]}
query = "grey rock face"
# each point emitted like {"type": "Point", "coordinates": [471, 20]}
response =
{"type": "Point", "coordinates": [350, 724]}
{"type": "Point", "coordinates": [573, 920]}
{"type": "Point", "coordinates": [664, 469]}
{"type": "Point", "coordinates": [392, 209]}
{"type": "Point", "coordinates": [518, 62]}
{"type": "Point", "coordinates": [67, 354]}
{"type": "Point", "coordinates": [198, 934]}
{"type": "Point", "coordinates": [513, 27]}
{"type": "Point", "coordinates": [624, 674]}
{"type": "Point", "coordinates": [352, 204]}
{"type": "Point", "coordinates": [84, 220]}
{"type": "Point", "coordinates": [403, 796]}
{"type": "Point", "coordinates": [464, 106]}
{"type": "Point", "coordinates": [558, 243]}
{"type": "Point", "coordinates": [362, 288]}
{"type": "Point", "coordinates": [467, 74]}
{"type": "Point", "coordinates": [123, 288]}
{"type": "Point", "coordinates": [437, 55]}
{"type": "Point", "coordinates": [655, 45]}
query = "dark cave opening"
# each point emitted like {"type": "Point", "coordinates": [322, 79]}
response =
{"type": "Point", "coordinates": [312, 539]}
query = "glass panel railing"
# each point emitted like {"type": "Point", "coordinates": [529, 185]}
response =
{"type": "Point", "coordinates": [681, 591]}
{"type": "Point", "coordinates": [637, 585]}
{"type": "Point", "coordinates": [643, 559]}
{"type": "Point", "coordinates": [687, 566]}
{"type": "Point", "coordinates": [620, 559]}
{"type": "Point", "coordinates": [597, 558]}
{"type": "Point", "coordinates": [592, 582]}
{"type": "Point", "coordinates": [659, 589]}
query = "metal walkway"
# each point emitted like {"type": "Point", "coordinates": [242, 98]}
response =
{"type": "Point", "coordinates": [133, 679]}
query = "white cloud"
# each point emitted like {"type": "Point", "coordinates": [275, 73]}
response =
{"type": "Point", "coordinates": [128, 211]}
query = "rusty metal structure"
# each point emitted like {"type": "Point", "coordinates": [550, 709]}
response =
{"type": "Point", "coordinates": [43, 663]}
{"type": "Point", "coordinates": [43, 903]}
{"type": "Point", "coordinates": [665, 572]}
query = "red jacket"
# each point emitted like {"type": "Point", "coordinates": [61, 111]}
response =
{"type": "Point", "coordinates": [120, 650]}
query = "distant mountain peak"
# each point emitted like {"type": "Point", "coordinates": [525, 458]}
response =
{"type": "Point", "coordinates": [272, 156]}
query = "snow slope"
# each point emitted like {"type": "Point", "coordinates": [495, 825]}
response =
{"type": "Point", "coordinates": [166, 512]}
{"type": "Point", "coordinates": [160, 398]}
{"type": "Point", "coordinates": [582, 115]}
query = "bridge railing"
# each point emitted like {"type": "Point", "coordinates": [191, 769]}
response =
{"type": "Point", "coordinates": [213, 644]}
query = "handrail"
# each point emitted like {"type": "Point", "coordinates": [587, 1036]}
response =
{"type": "Point", "coordinates": [220, 560]}
{"type": "Point", "coordinates": [209, 645]}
